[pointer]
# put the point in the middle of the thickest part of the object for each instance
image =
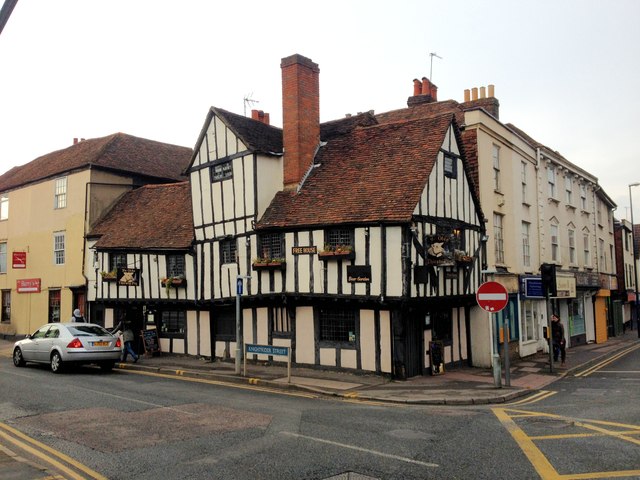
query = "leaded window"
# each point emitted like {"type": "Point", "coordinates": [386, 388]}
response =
{"type": "Point", "coordinates": [337, 325]}
{"type": "Point", "coordinates": [228, 250]}
{"type": "Point", "coordinates": [271, 246]}
{"type": "Point", "coordinates": [175, 266]}
{"type": "Point", "coordinates": [172, 322]}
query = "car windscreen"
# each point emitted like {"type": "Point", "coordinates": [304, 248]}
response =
{"type": "Point", "coordinates": [88, 330]}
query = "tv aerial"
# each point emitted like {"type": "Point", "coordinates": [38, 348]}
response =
{"type": "Point", "coordinates": [432, 54]}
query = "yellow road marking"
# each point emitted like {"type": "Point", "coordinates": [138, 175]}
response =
{"type": "Point", "coordinates": [38, 452]}
{"type": "Point", "coordinates": [606, 362]}
{"type": "Point", "coordinates": [540, 462]}
{"type": "Point", "coordinates": [541, 395]}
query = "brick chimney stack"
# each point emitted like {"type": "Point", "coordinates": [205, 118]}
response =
{"type": "Point", "coordinates": [260, 116]}
{"type": "Point", "coordinates": [300, 116]}
{"type": "Point", "coordinates": [423, 92]}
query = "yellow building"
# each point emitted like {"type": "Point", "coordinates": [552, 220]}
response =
{"type": "Point", "coordinates": [46, 208]}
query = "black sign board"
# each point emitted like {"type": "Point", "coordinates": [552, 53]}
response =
{"type": "Point", "coordinates": [359, 273]}
{"type": "Point", "coordinates": [150, 341]}
{"type": "Point", "coordinates": [129, 277]}
{"type": "Point", "coordinates": [436, 357]}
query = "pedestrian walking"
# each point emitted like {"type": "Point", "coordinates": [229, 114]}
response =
{"type": "Point", "coordinates": [128, 338]}
{"type": "Point", "coordinates": [77, 316]}
{"type": "Point", "coordinates": [559, 342]}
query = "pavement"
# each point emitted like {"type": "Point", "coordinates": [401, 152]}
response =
{"type": "Point", "coordinates": [456, 386]}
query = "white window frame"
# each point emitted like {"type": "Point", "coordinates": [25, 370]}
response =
{"type": "Point", "coordinates": [498, 237]}
{"type": "Point", "coordinates": [526, 244]}
{"type": "Point", "coordinates": [58, 248]}
{"type": "Point", "coordinates": [3, 257]}
{"type": "Point", "coordinates": [586, 250]}
{"type": "Point", "coordinates": [495, 153]}
{"type": "Point", "coordinates": [4, 208]}
{"type": "Point", "coordinates": [60, 194]}
{"type": "Point", "coordinates": [551, 178]}
{"type": "Point", "coordinates": [555, 243]}
{"type": "Point", "coordinates": [523, 178]}
{"type": "Point", "coordinates": [572, 246]}
{"type": "Point", "coordinates": [568, 187]}
{"type": "Point", "coordinates": [583, 196]}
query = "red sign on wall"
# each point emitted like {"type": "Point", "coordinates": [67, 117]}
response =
{"type": "Point", "coordinates": [19, 260]}
{"type": "Point", "coordinates": [28, 285]}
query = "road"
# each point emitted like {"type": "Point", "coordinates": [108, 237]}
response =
{"type": "Point", "coordinates": [132, 425]}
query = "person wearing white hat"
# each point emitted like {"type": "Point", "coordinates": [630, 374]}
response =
{"type": "Point", "coordinates": [77, 316]}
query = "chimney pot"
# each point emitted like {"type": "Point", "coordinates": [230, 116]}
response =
{"type": "Point", "coordinates": [467, 95]}
{"type": "Point", "coordinates": [483, 93]}
{"type": "Point", "coordinates": [474, 93]}
{"type": "Point", "coordinates": [417, 87]}
{"type": "Point", "coordinates": [491, 91]}
{"type": "Point", "coordinates": [75, 141]}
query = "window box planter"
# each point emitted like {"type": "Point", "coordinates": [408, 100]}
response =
{"type": "Point", "coordinates": [268, 264]}
{"type": "Point", "coordinates": [109, 276]}
{"type": "Point", "coordinates": [336, 255]}
{"type": "Point", "coordinates": [174, 282]}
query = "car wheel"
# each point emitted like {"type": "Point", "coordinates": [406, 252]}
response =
{"type": "Point", "coordinates": [106, 366]}
{"type": "Point", "coordinates": [18, 359]}
{"type": "Point", "coordinates": [56, 362]}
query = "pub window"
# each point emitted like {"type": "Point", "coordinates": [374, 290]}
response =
{"type": "Point", "coordinates": [338, 237]}
{"type": "Point", "coordinates": [175, 266]}
{"type": "Point", "coordinates": [337, 325]}
{"type": "Point", "coordinates": [117, 260]}
{"type": "Point", "coordinates": [271, 245]}
{"type": "Point", "coordinates": [6, 306]}
{"type": "Point", "coordinates": [221, 171]}
{"type": "Point", "coordinates": [450, 166]}
{"type": "Point", "coordinates": [228, 250]}
{"type": "Point", "coordinates": [4, 208]}
{"type": "Point", "coordinates": [60, 196]}
{"type": "Point", "coordinates": [172, 322]}
{"type": "Point", "coordinates": [280, 321]}
{"type": "Point", "coordinates": [54, 306]}
{"type": "Point", "coordinates": [442, 326]}
{"type": "Point", "coordinates": [225, 325]}
{"type": "Point", "coordinates": [58, 248]}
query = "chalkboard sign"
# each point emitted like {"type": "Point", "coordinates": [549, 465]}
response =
{"type": "Point", "coordinates": [436, 355]}
{"type": "Point", "coordinates": [150, 341]}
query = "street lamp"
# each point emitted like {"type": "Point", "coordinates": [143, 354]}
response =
{"type": "Point", "coordinates": [635, 255]}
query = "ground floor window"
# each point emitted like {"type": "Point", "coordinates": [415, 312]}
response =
{"type": "Point", "coordinates": [530, 319]}
{"type": "Point", "coordinates": [441, 325]}
{"type": "Point", "coordinates": [280, 321]}
{"type": "Point", "coordinates": [172, 322]}
{"type": "Point", "coordinates": [576, 317]}
{"type": "Point", "coordinates": [225, 325]}
{"type": "Point", "coordinates": [509, 314]}
{"type": "Point", "coordinates": [337, 325]}
{"type": "Point", "coordinates": [54, 306]}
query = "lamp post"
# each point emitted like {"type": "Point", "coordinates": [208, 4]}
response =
{"type": "Point", "coordinates": [635, 256]}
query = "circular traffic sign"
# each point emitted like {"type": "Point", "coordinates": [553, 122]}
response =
{"type": "Point", "coordinates": [492, 297]}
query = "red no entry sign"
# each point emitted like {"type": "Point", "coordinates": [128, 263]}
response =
{"type": "Point", "coordinates": [492, 297]}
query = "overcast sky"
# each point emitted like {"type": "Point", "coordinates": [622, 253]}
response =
{"type": "Point", "coordinates": [567, 72]}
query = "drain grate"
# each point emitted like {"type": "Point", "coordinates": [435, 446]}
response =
{"type": "Point", "coordinates": [351, 476]}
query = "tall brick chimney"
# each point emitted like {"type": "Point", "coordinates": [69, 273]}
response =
{"type": "Point", "coordinates": [300, 116]}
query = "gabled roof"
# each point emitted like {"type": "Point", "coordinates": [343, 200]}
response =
{"type": "Point", "coordinates": [372, 174]}
{"type": "Point", "coordinates": [150, 217]}
{"type": "Point", "coordinates": [116, 152]}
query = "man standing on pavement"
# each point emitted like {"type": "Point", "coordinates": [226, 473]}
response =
{"type": "Point", "coordinates": [128, 338]}
{"type": "Point", "coordinates": [559, 342]}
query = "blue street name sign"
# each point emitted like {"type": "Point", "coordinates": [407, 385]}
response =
{"type": "Point", "coordinates": [267, 349]}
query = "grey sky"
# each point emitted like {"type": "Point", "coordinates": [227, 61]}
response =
{"type": "Point", "coordinates": [566, 72]}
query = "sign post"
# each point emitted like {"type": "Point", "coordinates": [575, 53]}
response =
{"type": "Point", "coordinates": [492, 297]}
{"type": "Point", "coordinates": [239, 282]}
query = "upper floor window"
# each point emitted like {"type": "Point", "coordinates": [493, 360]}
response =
{"type": "Point", "coordinates": [228, 250]}
{"type": "Point", "coordinates": [496, 167]}
{"type": "Point", "coordinates": [583, 196]}
{"type": "Point", "coordinates": [602, 255]}
{"type": "Point", "coordinates": [555, 243]}
{"type": "Point", "coordinates": [60, 197]}
{"type": "Point", "coordinates": [4, 208]}
{"type": "Point", "coordinates": [526, 245]}
{"type": "Point", "coordinates": [572, 246]}
{"type": "Point", "coordinates": [221, 171]}
{"type": "Point", "coordinates": [117, 260]}
{"type": "Point", "coordinates": [175, 266]}
{"type": "Point", "coordinates": [271, 246]}
{"type": "Point", "coordinates": [551, 179]}
{"type": "Point", "coordinates": [568, 187]}
{"type": "Point", "coordinates": [523, 178]}
{"type": "Point", "coordinates": [586, 249]}
{"type": "Point", "coordinates": [450, 166]}
{"type": "Point", "coordinates": [498, 237]}
{"type": "Point", "coordinates": [58, 248]}
{"type": "Point", "coordinates": [3, 257]}
{"type": "Point", "coordinates": [6, 306]}
{"type": "Point", "coordinates": [338, 237]}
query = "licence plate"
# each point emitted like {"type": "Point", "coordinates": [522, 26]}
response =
{"type": "Point", "coordinates": [100, 344]}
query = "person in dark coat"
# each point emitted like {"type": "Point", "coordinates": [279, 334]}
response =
{"type": "Point", "coordinates": [77, 316]}
{"type": "Point", "coordinates": [559, 342]}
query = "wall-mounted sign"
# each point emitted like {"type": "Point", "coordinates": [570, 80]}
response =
{"type": "Point", "coordinates": [566, 286]}
{"type": "Point", "coordinates": [28, 285]}
{"type": "Point", "coordinates": [19, 260]}
{"type": "Point", "coordinates": [532, 287]}
{"type": "Point", "coordinates": [310, 250]}
{"type": "Point", "coordinates": [129, 277]}
{"type": "Point", "coordinates": [440, 250]}
{"type": "Point", "coordinates": [359, 273]}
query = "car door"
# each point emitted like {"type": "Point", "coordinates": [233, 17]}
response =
{"type": "Point", "coordinates": [31, 348]}
{"type": "Point", "coordinates": [46, 344]}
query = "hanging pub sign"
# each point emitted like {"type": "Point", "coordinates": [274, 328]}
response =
{"type": "Point", "coordinates": [359, 273]}
{"type": "Point", "coordinates": [440, 250]}
{"type": "Point", "coordinates": [19, 260]}
{"type": "Point", "coordinates": [128, 277]}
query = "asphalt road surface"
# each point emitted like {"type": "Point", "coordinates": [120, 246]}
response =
{"type": "Point", "coordinates": [134, 425]}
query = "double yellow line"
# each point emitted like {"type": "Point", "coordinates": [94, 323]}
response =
{"type": "Point", "coordinates": [57, 460]}
{"type": "Point", "coordinates": [604, 363]}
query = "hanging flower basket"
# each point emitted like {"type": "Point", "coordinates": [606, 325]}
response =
{"type": "Point", "coordinates": [175, 282]}
{"type": "Point", "coordinates": [109, 276]}
{"type": "Point", "coordinates": [340, 252]}
{"type": "Point", "coordinates": [268, 264]}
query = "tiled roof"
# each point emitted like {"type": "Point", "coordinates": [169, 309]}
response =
{"type": "Point", "coordinates": [423, 110]}
{"type": "Point", "coordinates": [259, 136]}
{"type": "Point", "coordinates": [150, 217]}
{"type": "Point", "coordinates": [116, 152]}
{"type": "Point", "coordinates": [372, 174]}
{"type": "Point", "coordinates": [335, 128]}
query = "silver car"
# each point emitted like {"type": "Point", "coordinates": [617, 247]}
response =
{"type": "Point", "coordinates": [58, 344]}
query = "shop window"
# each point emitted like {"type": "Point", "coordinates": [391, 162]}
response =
{"type": "Point", "coordinates": [54, 306]}
{"type": "Point", "coordinates": [337, 325]}
{"type": "Point", "coordinates": [509, 315]}
{"type": "Point", "coordinates": [6, 306]}
{"type": "Point", "coordinates": [172, 323]}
